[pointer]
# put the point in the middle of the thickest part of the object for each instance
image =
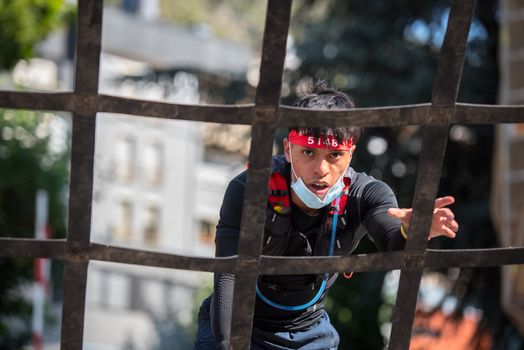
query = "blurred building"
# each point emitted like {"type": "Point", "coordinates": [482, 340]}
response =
{"type": "Point", "coordinates": [154, 189]}
{"type": "Point", "coordinates": [158, 184]}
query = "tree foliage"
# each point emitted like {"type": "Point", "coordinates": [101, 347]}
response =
{"type": "Point", "coordinates": [23, 23]}
{"type": "Point", "coordinates": [30, 159]}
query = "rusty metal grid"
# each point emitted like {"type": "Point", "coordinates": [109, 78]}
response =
{"type": "Point", "coordinates": [265, 115]}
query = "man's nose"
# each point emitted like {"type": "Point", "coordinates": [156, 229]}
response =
{"type": "Point", "coordinates": [322, 168]}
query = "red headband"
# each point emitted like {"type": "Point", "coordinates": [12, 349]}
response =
{"type": "Point", "coordinates": [321, 142]}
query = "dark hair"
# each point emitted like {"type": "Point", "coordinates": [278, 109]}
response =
{"type": "Point", "coordinates": [320, 96]}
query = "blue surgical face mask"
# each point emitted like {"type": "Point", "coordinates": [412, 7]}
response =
{"type": "Point", "coordinates": [310, 199]}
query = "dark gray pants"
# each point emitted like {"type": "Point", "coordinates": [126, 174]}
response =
{"type": "Point", "coordinates": [322, 336]}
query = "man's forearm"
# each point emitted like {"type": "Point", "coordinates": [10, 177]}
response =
{"type": "Point", "coordinates": [221, 309]}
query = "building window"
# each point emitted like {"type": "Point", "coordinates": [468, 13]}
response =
{"type": "Point", "coordinates": [152, 227]}
{"type": "Point", "coordinates": [126, 151]}
{"type": "Point", "coordinates": [207, 232]}
{"type": "Point", "coordinates": [154, 163]}
{"type": "Point", "coordinates": [123, 227]}
{"type": "Point", "coordinates": [136, 297]}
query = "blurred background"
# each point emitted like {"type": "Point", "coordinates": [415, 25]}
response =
{"type": "Point", "coordinates": [159, 184]}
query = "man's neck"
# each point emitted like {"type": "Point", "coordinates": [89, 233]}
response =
{"type": "Point", "coordinates": [304, 208]}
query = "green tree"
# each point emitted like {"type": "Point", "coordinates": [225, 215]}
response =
{"type": "Point", "coordinates": [27, 162]}
{"type": "Point", "coordinates": [30, 159]}
{"type": "Point", "coordinates": [23, 23]}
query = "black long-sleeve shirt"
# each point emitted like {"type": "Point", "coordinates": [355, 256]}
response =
{"type": "Point", "coordinates": [367, 205]}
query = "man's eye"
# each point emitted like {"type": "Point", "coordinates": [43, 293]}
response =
{"type": "Point", "coordinates": [336, 155]}
{"type": "Point", "coordinates": [308, 152]}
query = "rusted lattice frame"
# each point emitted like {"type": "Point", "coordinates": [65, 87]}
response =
{"type": "Point", "coordinates": [264, 116]}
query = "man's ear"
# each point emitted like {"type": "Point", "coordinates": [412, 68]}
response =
{"type": "Point", "coordinates": [351, 151]}
{"type": "Point", "coordinates": [287, 149]}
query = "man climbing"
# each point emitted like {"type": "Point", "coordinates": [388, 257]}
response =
{"type": "Point", "coordinates": [317, 206]}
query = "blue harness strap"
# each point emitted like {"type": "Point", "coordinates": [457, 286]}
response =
{"type": "Point", "coordinates": [324, 279]}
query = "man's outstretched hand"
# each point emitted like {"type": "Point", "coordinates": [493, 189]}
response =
{"type": "Point", "coordinates": [443, 223]}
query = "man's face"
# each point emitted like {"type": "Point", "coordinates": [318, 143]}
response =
{"type": "Point", "coordinates": [319, 168]}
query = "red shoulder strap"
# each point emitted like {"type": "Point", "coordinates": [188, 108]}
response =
{"type": "Point", "coordinates": [342, 203]}
{"type": "Point", "coordinates": [343, 198]}
{"type": "Point", "coordinates": [279, 193]}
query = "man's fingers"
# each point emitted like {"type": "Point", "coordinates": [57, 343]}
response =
{"type": "Point", "coordinates": [452, 224]}
{"type": "Point", "coordinates": [444, 223]}
{"type": "Point", "coordinates": [444, 201]}
{"type": "Point", "coordinates": [444, 212]}
{"type": "Point", "coordinates": [448, 232]}
{"type": "Point", "coordinates": [443, 230]}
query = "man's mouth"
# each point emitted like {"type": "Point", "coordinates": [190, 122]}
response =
{"type": "Point", "coordinates": [319, 189]}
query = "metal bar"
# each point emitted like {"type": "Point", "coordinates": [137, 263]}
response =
{"type": "Point", "coordinates": [406, 300]}
{"type": "Point", "coordinates": [273, 53]}
{"type": "Point", "coordinates": [238, 114]}
{"type": "Point", "coordinates": [363, 117]}
{"type": "Point", "coordinates": [87, 66]}
{"type": "Point", "coordinates": [474, 257]}
{"type": "Point", "coordinates": [267, 101]}
{"type": "Point", "coordinates": [81, 188]}
{"type": "Point", "coordinates": [393, 261]}
{"type": "Point", "coordinates": [452, 53]}
{"type": "Point", "coordinates": [445, 92]}
{"type": "Point", "coordinates": [254, 207]}
{"type": "Point", "coordinates": [269, 265]}
{"type": "Point", "coordinates": [32, 248]}
{"type": "Point", "coordinates": [88, 45]}
{"type": "Point", "coordinates": [79, 228]}
{"type": "Point", "coordinates": [435, 138]}
{"type": "Point", "coordinates": [58, 101]}
{"type": "Point", "coordinates": [149, 258]}
{"type": "Point", "coordinates": [391, 116]}
{"type": "Point", "coordinates": [75, 280]}
{"type": "Point", "coordinates": [82, 103]}
{"type": "Point", "coordinates": [486, 114]}
{"type": "Point", "coordinates": [394, 116]}
{"type": "Point", "coordinates": [426, 188]}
